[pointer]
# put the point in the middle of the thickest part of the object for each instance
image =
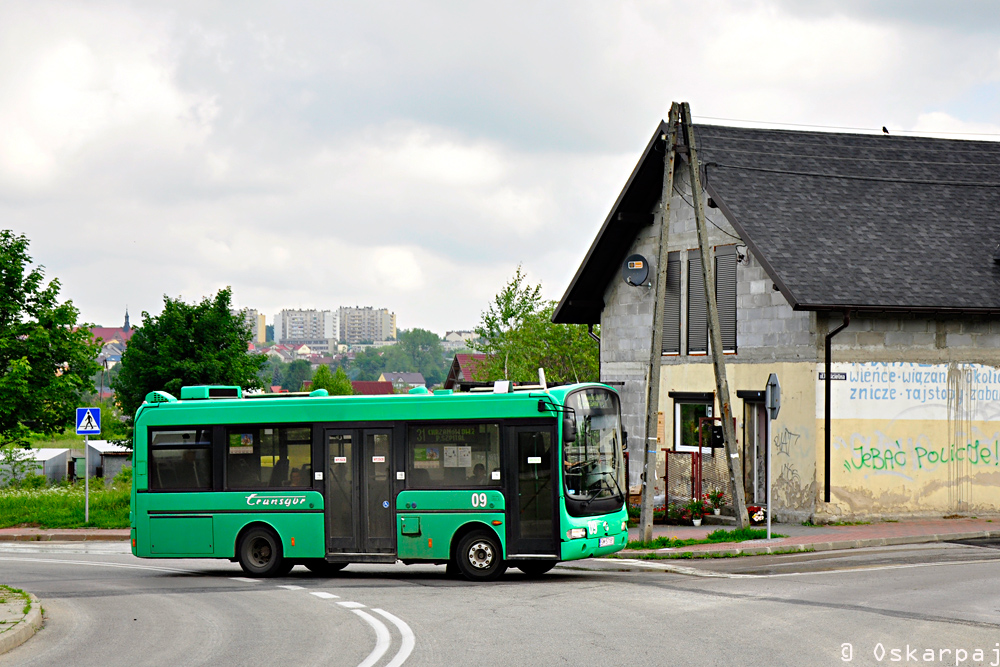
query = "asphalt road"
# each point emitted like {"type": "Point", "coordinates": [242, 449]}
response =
{"type": "Point", "coordinates": [104, 607]}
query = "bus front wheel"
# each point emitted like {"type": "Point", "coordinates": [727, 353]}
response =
{"type": "Point", "coordinates": [479, 557]}
{"type": "Point", "coordinates": [260, 554]}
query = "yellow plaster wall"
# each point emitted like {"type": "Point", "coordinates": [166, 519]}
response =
{"type": "Point", "coordinates": [793, 433]}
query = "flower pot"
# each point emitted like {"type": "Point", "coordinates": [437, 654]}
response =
{"type": "Point", "coordinates": [716, 511]}
{"type": "Point", "coordinates": [696, 522]}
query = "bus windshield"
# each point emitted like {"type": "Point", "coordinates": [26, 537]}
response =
{"type": "Point", "coordinates": [593, 469]}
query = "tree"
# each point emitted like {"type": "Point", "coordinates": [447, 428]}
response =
{"type": "Point", "coordinates": [187, 344]}
{"type": "Point", "coordinates": [506, 315]}
{"type": "Point", "coordinates": [423, 353]}
{"type": "Point", "coordinates": [295, 374]}
{"type": "Point", "coordinates": [46, 360]}
{"type": "Point", "coordinates": [15, 463]}
{"type": "Point", "coordinates": [518, 337]}
{"type": "Point", "coordinates": [336, 383]}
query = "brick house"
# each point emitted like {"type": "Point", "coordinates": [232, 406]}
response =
{"type": "Point", "coordinates": [808, 230]}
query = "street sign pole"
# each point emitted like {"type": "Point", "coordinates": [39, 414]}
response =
{"type": "Point", "coordinates": [88, 423]}
{"type": "Point", "coordinates": [772, 401]}
{"type": "Point", "coordinates": [86, 480]}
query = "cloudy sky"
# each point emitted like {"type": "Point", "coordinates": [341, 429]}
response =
{"type": "Point", "coordinates": [410, 155]}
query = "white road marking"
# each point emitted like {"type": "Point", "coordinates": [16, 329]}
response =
{"type": "Point", "coordinates": [382, 638]}
{"type": "Point", "coordinates": [84, 562]}
{"type": "Point", "coordinates": [409, 641]}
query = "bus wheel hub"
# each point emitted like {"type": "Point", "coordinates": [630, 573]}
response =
{"type": "Point", "coordinates": [260, 551]}
{"type": "Point", "coordinates": [480, 555]}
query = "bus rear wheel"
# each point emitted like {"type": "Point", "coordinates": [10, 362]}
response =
{"type": "Point", "coordinates": [479, 557]}
{"type": "Point", "coordinates": [260, 554]}
{"type": "Point", "coordinates": [323, 568]}
{"type": "Point", "coordinates": [536, 568]}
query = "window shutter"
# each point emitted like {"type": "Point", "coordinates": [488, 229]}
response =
{"type": "Point", "coordinates": [725, 295]}
{"type": "Point", "coordinates": [697, 318]}
{"type": "Point", "coordinates": [672, 306]}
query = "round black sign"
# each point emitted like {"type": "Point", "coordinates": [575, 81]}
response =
{"type": "Point", "coordinates": [635, 270]}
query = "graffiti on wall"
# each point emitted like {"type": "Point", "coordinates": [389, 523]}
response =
{"type": "Point", "coordinates": [902, 431]}
{"type": "Point", "coordinates": [916, 457]}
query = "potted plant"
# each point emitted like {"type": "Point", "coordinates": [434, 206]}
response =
{"type": "Point", "coordinates": [697, 508]}
{"type": "Point", "coordinates": [715, 498]}
{"type": "Point", "coordinates": [757, 514]}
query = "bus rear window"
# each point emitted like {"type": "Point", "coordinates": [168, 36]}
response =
{"type": "Point", "coordinates": [180, 460]}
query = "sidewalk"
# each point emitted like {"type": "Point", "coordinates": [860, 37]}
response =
{"type": "Point", "coordinates": [64, 534]}
{"type": "Point", "coordinates": [826, 538]}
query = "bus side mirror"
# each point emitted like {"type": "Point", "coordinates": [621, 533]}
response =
{"type": "Point", "coordinates": [624, 441]}
{"type": "Point", "coordinates": [569, 429]}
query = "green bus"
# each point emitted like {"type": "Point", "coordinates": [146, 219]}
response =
{"type": "Point", "coordinates": [477, 481]}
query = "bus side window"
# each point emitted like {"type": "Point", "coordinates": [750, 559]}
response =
{"type": "Point", "coordinates": [181, 459]}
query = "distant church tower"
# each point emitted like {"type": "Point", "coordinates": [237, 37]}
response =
{"type": "Point", "coordinates": [126, 327]}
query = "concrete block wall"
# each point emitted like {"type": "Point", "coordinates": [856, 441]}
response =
{"type": "Point", "coordinates": [914, 338]}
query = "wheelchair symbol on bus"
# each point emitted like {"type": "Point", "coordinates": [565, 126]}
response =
{"type": "Point", "coordinates": [385, 504]}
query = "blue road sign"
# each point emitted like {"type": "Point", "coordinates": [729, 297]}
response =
{"type": "Point", "coordinates": [88, 421]}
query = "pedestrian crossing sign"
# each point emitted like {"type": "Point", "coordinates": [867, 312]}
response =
{"type": "Point", "coordinates": [88, 421]}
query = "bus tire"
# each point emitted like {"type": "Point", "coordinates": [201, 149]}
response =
{"type": "Point", "coordinates": [535, 568]}
{"type": "Point", "coordinates": [479, 557]}
{"type": "Point", "coordinates": [323, 568]}
{"type": "Point", "coordinates": [260, 553]}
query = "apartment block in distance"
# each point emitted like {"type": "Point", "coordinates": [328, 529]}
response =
{"type": "Point", "coordinates": [361, 324]}
{"type": "Point", "coordinates": [256, 322]}
{"type": "Point", "coordinates": [319, 329]}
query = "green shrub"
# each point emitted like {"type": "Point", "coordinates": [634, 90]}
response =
{"type": "Point", "coordinates": [33, 481]}
{"type": "Point", "coordinates": [123, 479]}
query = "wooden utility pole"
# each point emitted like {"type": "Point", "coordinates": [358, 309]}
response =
{"type": "Point", "coordinates": [714, 332]}
{"type": "Point", "coordinates": [656, 344]}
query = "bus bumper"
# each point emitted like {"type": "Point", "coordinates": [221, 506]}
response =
{"type": "Point", "coordinates": [591, 546]}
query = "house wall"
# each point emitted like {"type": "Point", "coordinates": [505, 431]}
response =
{"type": "Point", "coordinates": [914, 427]}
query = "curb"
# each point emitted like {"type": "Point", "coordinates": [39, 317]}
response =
{"type": "Point", "coordinates": [836, 545]}
{"type": "Point", "coordinates": [61, 537]}
{"type": "Point", "coordinates": [25, 628]}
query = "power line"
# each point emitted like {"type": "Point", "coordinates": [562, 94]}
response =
{"type": "Point", "coordinates": [841, 127]}
{"type": "Point", "coordinates": [691, 204]}
{"type": "Point", "coordinates": [855, 159]}
{"type": "Point", "coordinates": [989, 148]}
{"type": "Point", "coordinates": [911, 181]}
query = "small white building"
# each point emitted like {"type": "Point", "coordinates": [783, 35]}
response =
{"type": "Point", "coordinates": [52, 462]}
{"type": "Point", "coordinates": [107, 459]}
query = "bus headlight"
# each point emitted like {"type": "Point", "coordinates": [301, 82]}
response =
{"type": "Point", "coordinates": [576, 533]}
{"type": "Point", "coordinates": [624, 526]}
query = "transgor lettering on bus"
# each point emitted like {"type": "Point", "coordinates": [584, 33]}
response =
{"type": "Point", "coordinates": [285, 501]}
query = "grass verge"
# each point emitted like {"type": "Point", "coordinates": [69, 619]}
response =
{"type": "Point", "coordinates": [9, 593]}
{"type": "Point", "coordinates": [715, 537]}
{"type": "Point", "coordinates": [62, 507]}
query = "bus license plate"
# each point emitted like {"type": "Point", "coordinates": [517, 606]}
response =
{"type": "Point", "coordinates": [606, 542]}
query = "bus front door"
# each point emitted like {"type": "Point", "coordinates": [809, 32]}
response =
{"type": "Point", "coordinates": [359, 510]}
{"type": "Point", "coordinates": [532, 520]}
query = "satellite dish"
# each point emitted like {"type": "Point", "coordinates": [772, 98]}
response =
{"type": "Point", "coordinates": [635, 270]}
